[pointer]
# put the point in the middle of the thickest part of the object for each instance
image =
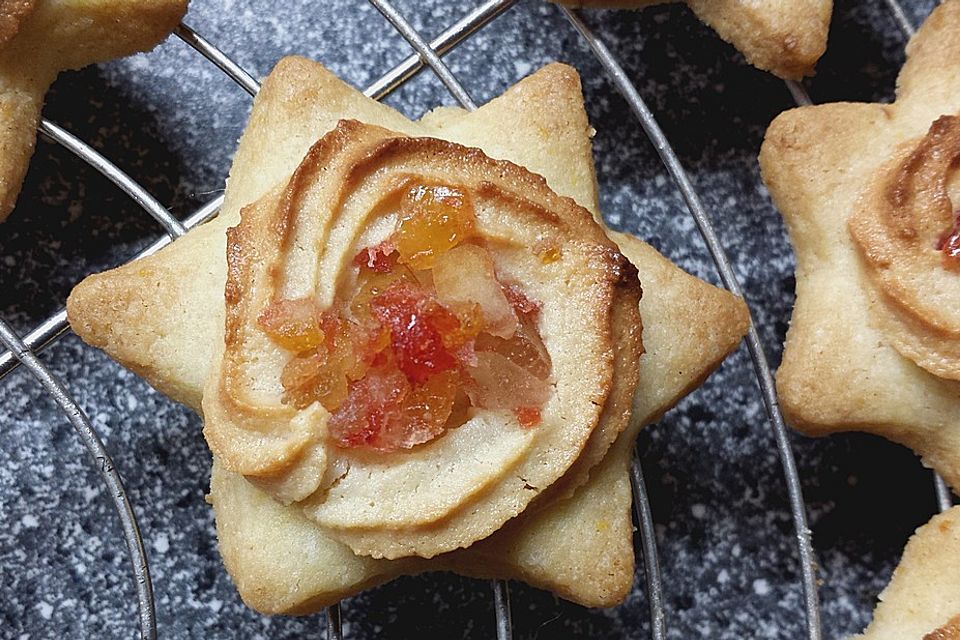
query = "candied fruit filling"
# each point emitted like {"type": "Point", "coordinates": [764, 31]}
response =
{"type": "Point", "coordinates": [433, 220]}
{"type": "Point", "coordinates": [950, 245]}
{"type": "Point", "coordinates": [426, 332]}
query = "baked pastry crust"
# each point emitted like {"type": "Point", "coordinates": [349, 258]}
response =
{"type": "Point", "coordinates": [785, 37]}
{"type": "Point", "coordinates": [898, 228]}
{"type": "Point", "coordinates": [160, 316]}
{"type": "Point", "coordinates": [41, 38]}
{"type": "Point", "coordinates": [462, 487]}
{"type": "Point", "coordinates": [922, 601]}
{"type": "Point", "coordinates": [841, 369]}
{"type": "Point", "coordinates": [12, 15]}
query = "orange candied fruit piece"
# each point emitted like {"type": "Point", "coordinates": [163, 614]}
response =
{"type": "Point", "coordinates": [469, 326]}
{"type": "Point", "coordinates": [423, 414]}
{"type": "Point", "coordinates": [548, 252]}
{"type": "Point", "coordinates": [433, 220]}
{"type": "Point", "coordinates": [309, 378]}
{"type": "Point", "coordinates": [371, 284]}
{"type": "Point", "coordinates": [324, 373]}
{"type": "Point", "coordinates": [527, 416]}
{"type": "Point", "coordinates": [295, 325]}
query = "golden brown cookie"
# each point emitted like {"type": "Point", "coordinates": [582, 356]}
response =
{"type": "Point", "coordinates": [41, 38]}
{"type": "Point", "coordinates": [922, 601]}
{"type": "Point", "coordinates": [902, 227]}
{"type": "Point", "coordinates": [163, 317]}
{"type": "Point", "coordinates": [865, 190]}
{"type": "Point", "coordinates": [785, 37]}
{"type": "Point", "coordinates": [445, 492]}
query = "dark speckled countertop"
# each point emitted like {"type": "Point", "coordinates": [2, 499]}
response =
{"type": "Point", "coordinates": [171, 120]}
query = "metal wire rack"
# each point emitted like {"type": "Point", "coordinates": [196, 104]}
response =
{"type": "Point", "coordinates": [21, 350]}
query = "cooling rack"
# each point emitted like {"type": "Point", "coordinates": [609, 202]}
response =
{"type": "Point", "coordinates": [21, 349]}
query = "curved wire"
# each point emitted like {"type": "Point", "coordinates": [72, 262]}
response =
{"type": "Point", "coordinates": [428, 55]}
{"type": "Point", "coordinates": [651, 558]}
{"type": "Point", "coordinates": [944, 495]}
{"type": "Point", "coordinates": [443, 43]}
{"type": "Point", "coordinates": [108, 473]}
{"type": "Point", "coordinates": [501, 606]}
{"type": "Point", "coordinates": [226, 64]}
{"type": "Point", "coordinates": [334, 623]}
{"type": "Point", "coordinates": [114, 174]}
{"type": "Point", "coordinates": [754, 346]}
{"type": "Point", "coordinates": [799, 93]}
{"type": "Point", "coordinates": [900, 16]}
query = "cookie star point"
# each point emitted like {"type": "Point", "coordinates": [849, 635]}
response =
{"type": "Point", "coordinates": [785, 37]}
{"type": "Point", "coordinates": [41, 38]}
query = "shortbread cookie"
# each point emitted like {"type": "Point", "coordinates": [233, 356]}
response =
{"type": "Point", "coordinates": [922, 601]}
{"type": "Point", "coordinates": [162, 316]}
{"type": "Point", "coordinates": [785, 37]}
{"type": "Point", "coordinates": [416, 208]}
{"type": "Point", "coordinates": [581, 548]}
{"type": "Point", "coordinates": [866, 190]}
{"type": "Point", "coordinates": [41, 38]}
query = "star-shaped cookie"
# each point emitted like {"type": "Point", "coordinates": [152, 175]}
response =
{"type": "Point", "coordinates": [164, 315]}
{"type": "Point", "coordinates": [41, 38]}
{"type": "Point", "coordinates": [922, 601]}
{"type": "Point", "coordinates": [865, 190]}
{"type": "Point", "coordinates": [785, 37]}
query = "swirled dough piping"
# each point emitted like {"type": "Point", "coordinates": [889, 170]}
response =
{"type": "Point", "coordinates": [300, 241]}
{"type": "Point", "coordinates": [900, 226]}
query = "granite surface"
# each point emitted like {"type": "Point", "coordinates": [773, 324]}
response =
{"type": "Point", "coordinates": [171, 120]}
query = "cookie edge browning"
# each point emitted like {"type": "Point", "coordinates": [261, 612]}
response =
{"type": "Point", "coordinates": [628, 348]}
{"type": "Point", "coordinates": [27, 79]}
{"type": "Point", "coordinates": [794, 32]}
{"type": "Point", "coordinates": [931, 549]}
{"type": "Point", "coordinates": [919, 333]}
{"type": "Point", "coordinates": [12, 15]}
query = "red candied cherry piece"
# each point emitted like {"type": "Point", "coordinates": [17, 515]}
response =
{"type": "Point", "coordinates": [381, 258]}
{"type": "Point", "coordinates": [374, 402]}
{"type": "Point", "coordinates": [417, 326]}
{"type": "Point", "coordinates": [950, 245]}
